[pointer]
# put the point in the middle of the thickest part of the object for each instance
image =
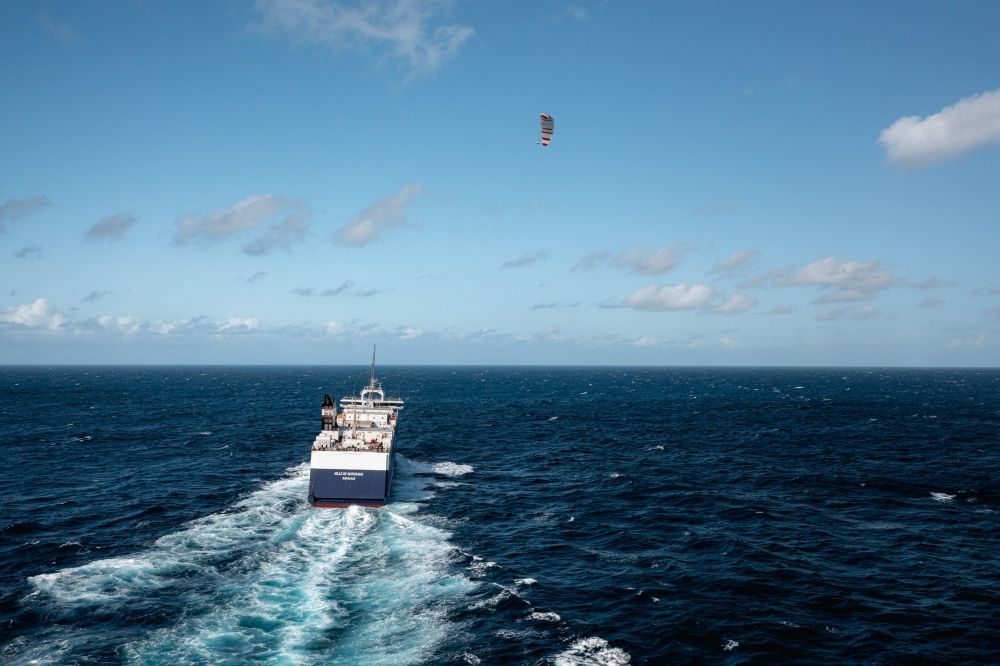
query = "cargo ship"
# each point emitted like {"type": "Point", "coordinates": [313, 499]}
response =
{"type": "Point", "coordinates": [353, 455]}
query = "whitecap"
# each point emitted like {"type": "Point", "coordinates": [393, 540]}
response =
{"type": "Point", "coordinates": [525, 581]}
{"type": "Point", "coordinates": [553, 418]}
{"type": "Point", "coordinates": [205, 433]}
{"type": "Point", "coordinates": [593, 651]}
{"type": "Point", "coordinates": [480, 566]}
{"type": "Point", "coordinates": [515, 634]}
{"type": "Point", "coordinates": [492, 602]}
{"type": "Point", "coordinates": [544, 616]}
{"type": "Point", "coordinates": [730, 645]}
{"type": "Point", "coordinates": [942, 497]}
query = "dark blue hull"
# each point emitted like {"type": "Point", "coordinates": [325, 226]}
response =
{"type": "Point", "coordinates": [344, 487]}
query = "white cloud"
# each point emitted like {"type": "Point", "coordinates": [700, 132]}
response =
{"type": "Point", "coordinates": [592, 260]}
{"type": "Point", "coordinates": [550, 334]}
{"type": "Point", "coordinates": [111, 227]}
{"type": "Point", "coordinates": [932, 303]}
{"type": "Point", "coordinates": [635, 260]}
{"type": "Point", "coordinates": [526, 259]}
{"type": "Point", "coordinates": [307, 292]}
{"type": "Point", "coordinates": [270, 222]}
{"type": "Point", "coordinates": [735, 304]}
{"type": "Point", "coordinates": [971, 123]}
{"type": "Point", "coordinates": [40, 314]}
{"type": "Point", "coordinates": [408, 29]}
{"type": "Point", "coordinates": [671, 297]}
{"type": "Point", "coordinates": [127, 324]}
{"type": "Point", "coordinates": [657, 263]}
{"type": "Point", "coordinates": [975, 341]}
{"type": "Point", "coordinates": [772, 278]}
{"type": "Point", "coordinates": [865, 313]}
{"type": "Point", "coordinates": [380, 216]}
{"type": "Point", "coordinates": [164, 327]}
{"type": "Point", "coordinates": [554, 306]}
{"type": "Point", "coordinates": [43, 315]}
{"type": "Point", "coordinates": [735, 261]}
{"type": "Point", "coordinates": [846, 280]}
{"type": "Point", "coordinates": [485, 336]}
{"type": "Point", "coordinates": [334, 327]}
{"type": "Point", "coordinates": [410, 333]}
{"type": "Point", "coordinates": [831, 314]}
{"type": "Point", "coordinates": [931, 283]}
{"type": "Point", "coordinates": [781, 310]}
{"type": "Point", "coordinates": [14, 209]}
{"type": "Point", "coordinates": [238, 325]}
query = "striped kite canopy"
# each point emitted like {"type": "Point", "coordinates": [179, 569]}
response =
{"type": "Point", "coordinates": [548, 125]}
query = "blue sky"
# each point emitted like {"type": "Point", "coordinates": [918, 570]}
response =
{"type": "Point", "coordinates": [794, 183]}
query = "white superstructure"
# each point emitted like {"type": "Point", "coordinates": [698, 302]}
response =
{"type": "Point", "coordinates": [352, 456]}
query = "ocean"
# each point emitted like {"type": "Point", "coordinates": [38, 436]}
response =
{"type": "Point", "coordinates": [158, 515]}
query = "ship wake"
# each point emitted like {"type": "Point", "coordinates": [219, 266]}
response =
{"type": "Point", "coordinates": [269, 579]}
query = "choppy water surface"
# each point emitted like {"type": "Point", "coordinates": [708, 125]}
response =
{"type": "Point", "coordinates": [541, 516]}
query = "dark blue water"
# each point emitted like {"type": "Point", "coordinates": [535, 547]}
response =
{"type": "Point", "coordinates": [566, 516]}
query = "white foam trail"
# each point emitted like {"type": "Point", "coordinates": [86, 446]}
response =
{"type": "Point", "coordinates": [452, 469]}
{"type": "Point", "coordinates": [593, 651]}
{"type": "Point", "coordinates": [193, 549]}
{"type": "Point", "coordinates": [356, 586]}
{"type": "Point", "coordinates": [271, 579]}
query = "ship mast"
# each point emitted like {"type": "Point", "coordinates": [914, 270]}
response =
{"type": "Point", "coordinates": [372, 384]}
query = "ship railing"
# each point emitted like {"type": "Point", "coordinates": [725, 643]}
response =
{"type": "Point", "coordinates": [361, 448]}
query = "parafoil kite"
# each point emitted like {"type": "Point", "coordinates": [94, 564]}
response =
{"type": "Point", "coordinates": [548, 125]}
